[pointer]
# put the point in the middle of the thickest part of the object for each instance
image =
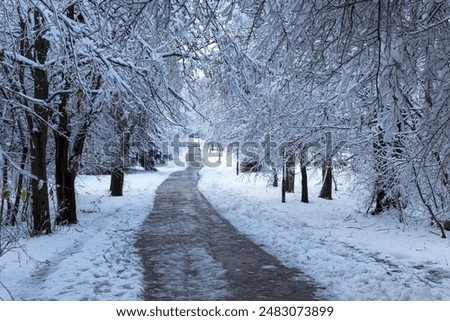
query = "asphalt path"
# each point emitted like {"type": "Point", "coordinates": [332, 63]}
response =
{"type": "Point", "coordinates": [190, 252]}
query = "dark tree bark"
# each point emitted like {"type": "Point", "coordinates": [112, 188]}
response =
{"type": "Point", "coordinates": [38, 127]}
{"type": "Point", "coordinates": [379, 148]}
{"type": "Point", "coordinates": [67, 168]}
{"type": "Point", "coordinates": [327, 187]}
{"type": "Point", "coordinates": [118, 174]}
{"type": "Point", "coordinates": [40, 206]}
{"type": "Point", "coordinates": [327, 170]}
{"type": "Point", "coordinates": [65, 186]}
{"type": "Point", "coordinates": [64, 178]}
{"type": "Point", "coordinates": [67, 213]}
{"type": "Point", "coordinates": [117, 178]}
{"type": "Point", "coordinates": [304, 174]}
{"type": "Point", "coordinates": [67, 162]}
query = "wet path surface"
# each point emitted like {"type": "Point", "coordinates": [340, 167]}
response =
{"type": "Point", "coordinates": [190, 252]}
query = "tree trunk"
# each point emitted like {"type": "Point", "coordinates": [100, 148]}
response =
{"type": "Point", "coordinates": [275, 177]}
{"type": "Point", "coordinates": [304, 174]}
{"type": "Point", "coordinates": [118, 174]}
{"type": "Point", "coordinates": [67, 163]}
{"type": "Point", "coordinates": [117, 178]}
{"type": "Point", "coordinates": [39, 206]}
{"type": "Point", "coordinates": [65, 183]}
{"type": "Point", "coordinates": [69, 167]}
{"type": "Point", "coordinates": [38, 132]}
{"type": "Point", "coordinates": [327, 187]}
{"type": "Point", "coordinates": [64, 176]}
{"type": "Point", "coordinates": [304, 184]}
{"type": "Point", "coordinates": [327, 170]}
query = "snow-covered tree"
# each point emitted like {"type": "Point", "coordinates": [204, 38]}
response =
{"type": "Point", "coordinates": [372, 73]}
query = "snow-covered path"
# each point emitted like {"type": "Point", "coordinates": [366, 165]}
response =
{"type": "Point", "coordinates": [191, 253]}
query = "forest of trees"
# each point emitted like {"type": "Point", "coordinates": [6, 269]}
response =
{"type": "Point", "coordinates": [375, 74]}
{"type": "Point", "coordinates": [76, 73]}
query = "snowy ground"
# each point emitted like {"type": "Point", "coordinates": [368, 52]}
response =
{"type": "Point", "coordinates": [350, 255]}
{"type": "Point", "coordinates": [93, 260]}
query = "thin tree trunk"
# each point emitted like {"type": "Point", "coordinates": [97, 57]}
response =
{"type": "Point", "coordinates": [118, 174]}
{"type": "Point", "coordinates": [64, 182]}
{"type": "Point", "coordinates": [304, 174]}
{"type": "Point", "coordinates": [5, 192]}
{"type": "Point", "coordinates": [427, 205]}
{"type": "Point", "coordinates": [275, 177]}
{"type": "Point", "coordinates": [380, 188]}
{"type": "Point", "coordinates": [64, 178]}
{"type": "Point", "coordinates": [327, 170]}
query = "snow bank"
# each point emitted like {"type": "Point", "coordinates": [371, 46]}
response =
{"type": "Point", "coordinates": [93, 260]}
{"type": "Point", "coordinates": [350, 255]}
